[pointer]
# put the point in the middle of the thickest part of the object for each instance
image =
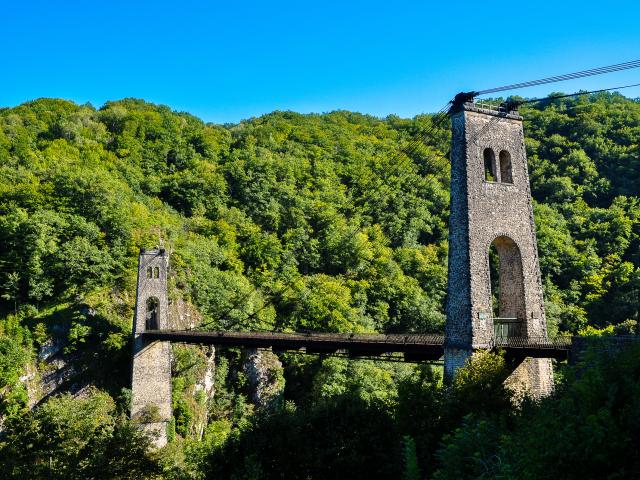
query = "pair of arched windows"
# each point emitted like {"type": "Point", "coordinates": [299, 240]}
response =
{"type": "Point", "coordinates": [491, 171]}
{"type": "Point", "coordinates": [153, 272]}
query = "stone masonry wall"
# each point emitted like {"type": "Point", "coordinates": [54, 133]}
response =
{"type": "Point", "coordinates": [151, 370]}
{"type": "Point", "coordinates": [484, 213]}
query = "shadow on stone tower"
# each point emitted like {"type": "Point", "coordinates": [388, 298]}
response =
{"type": "Point", "coordinates": [151, 372]}
{"type": "Point", "coordinates": [491, 208]}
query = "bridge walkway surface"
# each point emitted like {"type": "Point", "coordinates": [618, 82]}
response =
{"type": "Point", "coordinates": [415, 347]}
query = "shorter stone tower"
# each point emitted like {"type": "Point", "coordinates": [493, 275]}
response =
{"type": "Point", "coordinates": [151, 373]}
{"type": "Point", "coordinates": [491, 207]}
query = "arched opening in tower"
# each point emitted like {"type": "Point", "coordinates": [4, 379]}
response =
{"type": "Point", "coordinates": [153, 313]}
{"type": "Point", "coordinates": [506, 175]}
{"type": "Point", "coordinates": [489, 165]}
{"type": "Point", "coordinates": [507, 288]}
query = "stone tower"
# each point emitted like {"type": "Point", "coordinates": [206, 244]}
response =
{"type": "Point", "coordinates": [151, 373]}
{"type": "Point", "coordinates": [491, 206]}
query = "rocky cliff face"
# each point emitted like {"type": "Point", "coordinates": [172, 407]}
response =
{"type": "Point", "coordinates": [53, 373]}
{"type": "Point", "coordinates": [206, 385]}
{"type": "Point", "coordinates": [183, 315]}
{"type": "Point", "coordinates": [264, 374]}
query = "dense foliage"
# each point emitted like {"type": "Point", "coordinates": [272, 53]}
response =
{"type": "Point", "coordinates": [76, 439]}
{"type": "Point", "coordinates": [286, 221]}
{"type": "Point", "coordinates": [586, 430]}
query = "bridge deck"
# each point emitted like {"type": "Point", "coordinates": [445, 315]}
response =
{"type": "Point", "coordinates": [415, 347]}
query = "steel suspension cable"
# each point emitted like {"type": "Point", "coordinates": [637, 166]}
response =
{"type": "Point", "coordinates": [568, 76]}
{"type": "Point", "coordinates": [556, 97]}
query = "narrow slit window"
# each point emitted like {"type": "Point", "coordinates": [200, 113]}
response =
{"type": "Point", "coordinates": [149, 272]}
{"type": "Point", "coordinates": [505, 167]}
{"type": "Point", "coordinates": [489, 165]}
{"type": "Point", "coordinates": [156, 272]}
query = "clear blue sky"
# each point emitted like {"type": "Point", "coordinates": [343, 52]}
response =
{"type": "Point", "coordinates": [225, 61]}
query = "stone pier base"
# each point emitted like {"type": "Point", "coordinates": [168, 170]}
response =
{"type": "Point", "coordinates": [151, 389]}
{"type": "Point", "coordinates": [533, 377]}
{"type": "Point", "coordinates": [454, 358]}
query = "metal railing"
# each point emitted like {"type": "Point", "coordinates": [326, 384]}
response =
{"type": "Point", "coordinates": [414, 346]}
{"type": "Point", "coordinates": [506, 327]}
{"type": "Point", "coordinates": [399, 339]}
{"type": "Point", "coordinates": [536, 342]}
{"type": "Point", "coordinates": [484, 105]}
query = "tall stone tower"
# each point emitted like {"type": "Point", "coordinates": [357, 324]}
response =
{"type": "Point", "coordinates": [151, 373]}
{"type": "Point", "coordinates": [491, 206]}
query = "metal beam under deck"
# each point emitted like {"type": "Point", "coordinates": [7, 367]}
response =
{"type": "Point", "coordinates": [536, 347]}
{"type": "Point", "coordinates": [522, 353]}
{"type": "Point", "coordinates": [414, 346]}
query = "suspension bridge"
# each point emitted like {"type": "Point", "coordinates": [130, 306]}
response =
{"type": "Point", "coordinates": [413, 347]}
{"type": "Point", "coordinates": [491, 207]}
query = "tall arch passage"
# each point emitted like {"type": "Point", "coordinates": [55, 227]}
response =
{"type": "Point", "coordinates": [153, 313]}
{"type": "Point", "coordinates": [507, 286]}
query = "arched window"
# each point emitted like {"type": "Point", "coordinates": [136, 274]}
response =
{"type": "Point", "coordinates": [489, 165]}
{"type": "Point", "coordinates": [149, 272]}
{"type": "Point", "coordinates": [507, 288]}
{"type": "Point", "coordinates": [505, 167]}
{"type": "Point", "coordinates": [153, 313]}
{"type": "Point", "coordinates": [156, 272]}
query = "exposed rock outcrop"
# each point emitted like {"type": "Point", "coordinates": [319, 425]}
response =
{"type": "Point", "coordinates": [265, 377]}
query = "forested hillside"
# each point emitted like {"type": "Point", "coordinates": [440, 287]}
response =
{"type": "Point", "coordinates": [283, 222]}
